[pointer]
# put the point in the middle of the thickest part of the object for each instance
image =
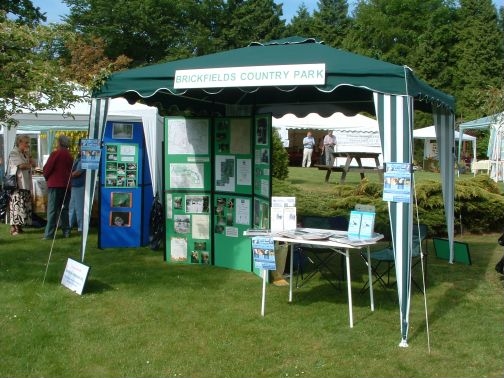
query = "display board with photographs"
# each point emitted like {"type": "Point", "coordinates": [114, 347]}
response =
{"type": "Point", "coordinates": [126, 194]}
{"type": "Point", "coordinates": [121, 166]}
{"type": "Point", "coordinates": [188, 190]}
{"type": "Point", "coordinates": [188, 227]}
{"type": "Point", "coordinates": [262, 156]}
{"type": "Point", "coordinates": [233, 155]}
{"type": "Point", "coordinates": [232, 216]}
{"type": "Point", "coordinates": [214, 169]}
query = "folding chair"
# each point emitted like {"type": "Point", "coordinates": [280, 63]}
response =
{"type": "Point", "coordinates": [385, 257]}
{"type": "Point", "coordinates": [320, 257]}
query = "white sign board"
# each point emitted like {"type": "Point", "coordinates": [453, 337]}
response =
{"type": "Point", "coordinates": [75, 276]}
{"type": "Point", "coordinates": [251, 76]}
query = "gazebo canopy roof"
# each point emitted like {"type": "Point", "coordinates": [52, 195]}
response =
{"type": "Point", "coordinates": [347, 83]}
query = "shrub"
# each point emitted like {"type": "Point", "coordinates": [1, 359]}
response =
{"type": "Point", "coordinates": [280, 161]}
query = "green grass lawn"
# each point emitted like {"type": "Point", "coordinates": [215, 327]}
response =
{"type": "Point", "coordinates": [142, 317]}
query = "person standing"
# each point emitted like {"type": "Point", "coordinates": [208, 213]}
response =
{"type": "Point", "coordinates": [77, 196]}
{"type": "Point", "coordinates": [20, 204]}
{"type": "Point", "coordinates": [57, 171]}
{"type": "Point", "coordinates": [308, 145]}
{"type": "Point", "coordinates": [329, 143]}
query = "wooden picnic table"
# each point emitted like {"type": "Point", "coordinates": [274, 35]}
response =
{"type": "Point", "coordinates": [347, 168]}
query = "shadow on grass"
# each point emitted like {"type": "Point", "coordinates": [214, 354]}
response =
{"type": "Point", "coordinates": [96, 287]}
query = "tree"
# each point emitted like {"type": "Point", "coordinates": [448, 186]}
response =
{"type": "Point", "coordinates": [390, 30]}
{"type": "Point", "coordinates": [30, 78]}
{"type": "Point", "coordinates": [87, 63]}
{"type": "Point", "coordinates": [280, 159]}
{"type": "Point", "coordinates": [252, 21]}
{"type": "Point", "coordinates": [331, 21]}
{"type": "Point", "coordinates": [22, 11]}
{"type": "Point", "coordinates": [479, 53]}
{"type": "Point", "coordinates": [147, 31]}
{"type": "Point", "coordinates": [302, 23]}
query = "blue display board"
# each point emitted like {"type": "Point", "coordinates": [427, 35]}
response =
{"type": "Point", "coordinates": [125, 187]}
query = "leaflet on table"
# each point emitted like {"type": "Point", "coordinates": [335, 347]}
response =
{"type": "Point", "coordinates": [367, 224]}
{"type": "Point", "coordinates": [256, 232]}
{"type": "Point", "coordinates": [354, 222]}
{"type": "Point", "coordinates": [307, 234]}
{"type": "Point", "coordinates": [355, 240]}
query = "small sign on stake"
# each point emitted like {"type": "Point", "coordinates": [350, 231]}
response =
{"type": "Point", "coordinates": [75, 275]}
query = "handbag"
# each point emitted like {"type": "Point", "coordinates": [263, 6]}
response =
{"type": "Point", "coordinates": [10, 182]}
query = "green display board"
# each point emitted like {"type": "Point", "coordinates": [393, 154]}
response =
{"type": "Point", "coordinates": [262, 156]}
{"type": "Point", "coordinates": [232, 216]}
{"type": "Point", "coordinates": [233, 177]}
{"type": "Point", "coordinates": [217, 185]}
{"type": "Point", "coordinates": [188, 196]}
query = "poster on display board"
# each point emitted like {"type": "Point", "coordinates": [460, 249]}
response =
{"type": "Point", "coordinates": [121, 165]}
{"type": "Point", "coordinates": [90, 153]}
{"type": "Point", "coordinates": [397, 180]}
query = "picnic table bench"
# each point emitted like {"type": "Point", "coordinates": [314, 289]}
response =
{"type": "Point", "coordinates": [347, 168]}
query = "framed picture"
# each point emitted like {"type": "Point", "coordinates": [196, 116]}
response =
{"type": "Point", "coordinates": [121, 199]}
{"type": "Point", "coordinates": [122, 130]}
{"type": "Point", "coordinates": [120, 219]}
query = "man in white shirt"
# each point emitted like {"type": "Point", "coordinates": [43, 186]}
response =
{"type": "Point", "coordinates": [308, 145]}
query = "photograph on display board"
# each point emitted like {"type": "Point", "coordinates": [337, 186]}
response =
{"type": "Point", "coordinates": [262, 131]}
{"type": "Point", "coordinates": [121, 199]}
{"type": "Point", "coordinates": [122, 130]}
{"type": "Point", "coordinates": [195, 257]}
{"type": "Point", "coordinates": [177, 202]}
{"type": "Point", "coordinates": [196, 204]}
{"type": "Point", "coordinates": [222, 135]}
{"type": "Point", "coordinates": [182, 224]}
{"type": "Point", "coordinates": [200, 246]}
{"type": "Point", "coordinates": [220, 215]}
{"type": "Point", "coordinates": [120, 219]}
{"type": "Point", "coordinates": [205, 258]}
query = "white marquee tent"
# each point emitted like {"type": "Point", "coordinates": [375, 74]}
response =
{"type": "Point", "coordinates": [495, 151]}
{"type": "Point", "coordinates": [429, 136]}
{"type": "Point", "coordinates": [77, 118]}
{"type": "Point", "coordinates": [357, 133]}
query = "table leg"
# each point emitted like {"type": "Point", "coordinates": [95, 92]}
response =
{"type": "Point", "coordinates": [370, 278]}
{"type": "Point", "coordinates": [359, 163]}
{"type": "Point", "coordinates": [349, 287]}
{"type": "Point", "coordinates": [328, 174]}
{"type": "Point", "coordinates": [291, 263]}
{"type": "Point", "coordinates": [345, 170]}
{"type": "Point", "coordinates": [263, 303]}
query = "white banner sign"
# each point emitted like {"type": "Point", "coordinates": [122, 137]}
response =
{"type": "Point", "coordinates": [253, 76]}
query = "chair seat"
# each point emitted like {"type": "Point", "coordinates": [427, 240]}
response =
{"type": "Point", "coordinates": [385, 257]}
{"type": "Point", "coordinates": [386, 254]}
